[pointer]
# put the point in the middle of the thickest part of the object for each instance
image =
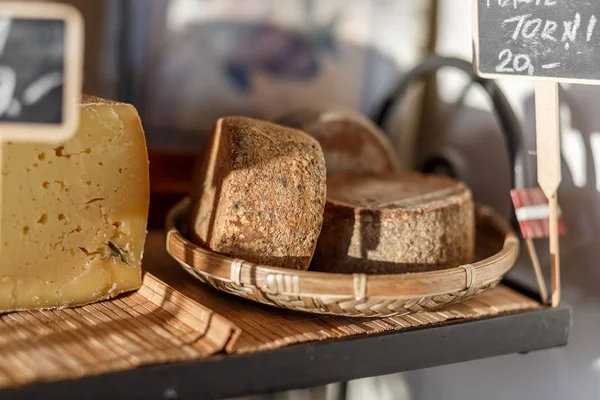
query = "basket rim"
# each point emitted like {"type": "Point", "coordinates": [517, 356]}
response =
{"type": "Point", "coordinates": [281, 281]}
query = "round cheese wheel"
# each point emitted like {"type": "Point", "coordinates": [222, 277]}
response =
{"type": "Point", "coordinates": [395, 223]}
{"type": "Point", "coordinates": [351, 143]}
{"type": "Point", "coordinates": [259, 193]}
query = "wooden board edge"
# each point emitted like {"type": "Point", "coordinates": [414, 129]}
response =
{"type": "Point", "coordinates": [475, 35]}
{"type": "Point", "coordinates": [313, 364]}
{"type": "Point", "coordinates": [533, 79]}
{"type": "Point", "coordinates": [1, 191]}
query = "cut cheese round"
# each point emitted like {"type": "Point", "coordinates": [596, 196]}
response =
{"type": "Point", "coordinates": [395, 223]}
{"type": "Point", "coordinates": [351, 143]}
{"type": "Point", "coordinates": [74, 214]}
{"type": "Point", "coordinates": [259, 193]}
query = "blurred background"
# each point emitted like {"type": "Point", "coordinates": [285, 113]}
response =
{"type": "Point", "coordinates": [184, 63]}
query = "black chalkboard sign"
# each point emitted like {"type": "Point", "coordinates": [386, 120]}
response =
{"type": "Point", "coordinates": [40, 71]}
{"type": "Point", "coordinates": [553, 39]}
{"type": "Point", "coordinates": [548, 41]}
{"type": "Point", "coordinates": [31, 70]}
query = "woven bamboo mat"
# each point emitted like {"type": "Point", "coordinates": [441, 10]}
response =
{"type": "Point", "coordinates": [154, 325]}
{"type": "Point", "coordinates": [185, 320]}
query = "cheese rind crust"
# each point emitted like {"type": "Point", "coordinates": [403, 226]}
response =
{"type": "Point", "coordinates": [351, 143]}
{"type": "Point", "coordinates": [259, 193]}
{"type": "Point", "coordinates": [74, 214]}
{"type": "Point", "coordinates": [404, 222]}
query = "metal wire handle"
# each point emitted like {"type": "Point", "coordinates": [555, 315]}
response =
{"type": "Point", "coordinates": [511, 127]}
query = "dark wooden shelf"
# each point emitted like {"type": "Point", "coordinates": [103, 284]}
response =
{"type": "Point", "coordinates": [313, 364]}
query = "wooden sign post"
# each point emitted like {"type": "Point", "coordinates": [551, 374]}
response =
{"type": "Point", "coordinates": [41, 69]}
{"type": "Point", "coordinates": [548, 166]}
{"type": "Point", "coordinates": [547, 41]}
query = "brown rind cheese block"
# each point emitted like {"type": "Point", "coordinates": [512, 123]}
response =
{"type": "Point", "coordinates": [351, 143]}
{"type": "Point", "coordinates": [259, 193]}
{"type": "Point", "coordinates": [395, 223]}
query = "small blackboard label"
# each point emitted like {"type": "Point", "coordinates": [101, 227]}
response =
{"type": "Point", "coordinates": [40, 71]}
{"type": "Point", "coordinates": [31, 70]}
{"type": "Point", "coordinates": [553, 39]}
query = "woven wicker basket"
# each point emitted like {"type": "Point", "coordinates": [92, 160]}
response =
{"type": "Point", "coordinates": [356, 295]}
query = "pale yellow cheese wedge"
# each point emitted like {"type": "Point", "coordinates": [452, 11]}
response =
{"type": "Point", "coordinates": [74, 215]}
